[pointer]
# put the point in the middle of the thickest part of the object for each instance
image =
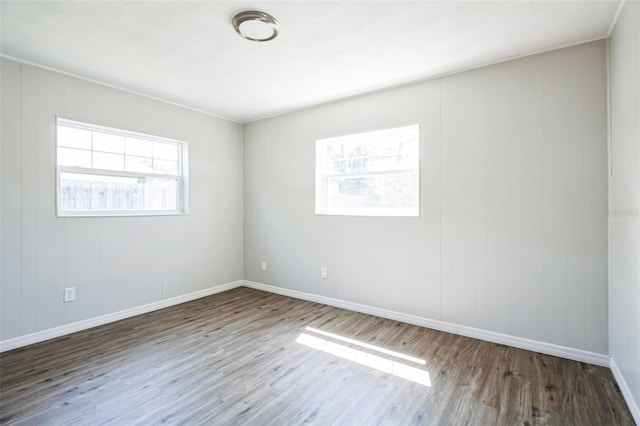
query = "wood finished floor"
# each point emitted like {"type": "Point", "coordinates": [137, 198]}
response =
{"type": "Point", "coordinates": [233, 358]}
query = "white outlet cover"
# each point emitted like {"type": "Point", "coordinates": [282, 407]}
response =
{"type": "Point", "coordinates": [264, 266]}
{"type": "Point", "coordinates": [323, 273]}
{"type": "Point", "coordinates": [69, 294]}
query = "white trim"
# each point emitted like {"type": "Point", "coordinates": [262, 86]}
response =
{"type": "Point", "coordinates": [616, 15]}
{"type": "Point", "coordinates": [93, 127]}
{"type": "Point", "coordinates": [476, 333]}
{"type": "Point", "coordinates": [609, 202]}
{"type": "Point", "coordinates": [626, 392]}
{"type": "Point", "coordinates": [114, 86]}
{"type": "Point", "coordinates": [40, 336]}
{"type": "Point", "coordinates": [518, 342]}
{"type": "Point", "coordinates": [417, 81]}
{"type": "Point", "coordinates": [325, 101]}
{"type": "Point", "coordinates": [79, 170]}
{"type": "Point", "coordinates": [372, 212]}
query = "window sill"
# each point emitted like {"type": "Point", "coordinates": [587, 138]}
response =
{"type": "Point", "coordinates": [116, 213]}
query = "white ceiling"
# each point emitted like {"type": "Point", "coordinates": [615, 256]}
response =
{"type": "Point", "coordinates": [188, 53]}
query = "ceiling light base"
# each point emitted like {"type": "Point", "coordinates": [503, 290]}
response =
{"type": "Point", "coordinates": [255, 25]}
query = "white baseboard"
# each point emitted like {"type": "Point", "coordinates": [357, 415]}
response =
{"type": "Point", "coordinates": [505, 339]}
{"type": "Point", "coordinates": [29, 339]}
{"type": "Point", "coordinates": [518, 342]}
{"type": "Point", "coordinates": [626, 392]}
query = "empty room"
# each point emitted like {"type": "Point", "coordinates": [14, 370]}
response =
{"type": "Point", "coordinates": [320, 212]}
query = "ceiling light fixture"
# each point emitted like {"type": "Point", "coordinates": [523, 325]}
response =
{"type": "Point", "coordinates": [255, 25]}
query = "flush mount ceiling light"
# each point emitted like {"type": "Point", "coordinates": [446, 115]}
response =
{"type": "Point", "coordinates": [255, 25]}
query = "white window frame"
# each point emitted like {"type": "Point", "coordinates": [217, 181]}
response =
{"type": "Point", "coordinates": [182, 176]}
{"type": "Point", "coordinates": [322, 206]}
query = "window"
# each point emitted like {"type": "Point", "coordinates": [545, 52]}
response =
{"type": "Point", "coordinates": [109, 172]}
{"type": "Point", "coordinates": [369, 174]}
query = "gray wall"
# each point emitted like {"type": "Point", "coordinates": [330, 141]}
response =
{"type": "Point", "coordinates": [115, 263]}
{"type": "Point", "coordinates": [624, 204]}
{"type": "Point", "coordinates": [512, 236]}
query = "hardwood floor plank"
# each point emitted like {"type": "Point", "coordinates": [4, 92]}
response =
{"type": "Point", "coordinates": [254, 358]}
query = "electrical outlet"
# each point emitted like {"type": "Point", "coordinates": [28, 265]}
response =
{"type": "Point", "coordinates": [69, 294]}
{"type": "Point", "coordinates": [264, 265]}
{"type": "Point", "coordinates": [323, 273]}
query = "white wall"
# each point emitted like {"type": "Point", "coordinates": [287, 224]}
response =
{"type": "Point", "coordinates": [115, 263]}
{"type": "Point", "coordinates": [512, 236]}
{"type": "Point", "coordinates": [624, 204]}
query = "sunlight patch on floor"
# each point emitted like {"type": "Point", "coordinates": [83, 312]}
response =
{"type": "Point", "coordinates": [368, 346]}
{"type": "Point", "coordinates": [367, 359]}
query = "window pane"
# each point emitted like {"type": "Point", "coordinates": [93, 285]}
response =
{"type": "Point", "coordinates": [351, 193]}
{"type": "Point", "coordinates": [165, 167]}
{"type": "Point", "coordinates": [108, 143]}
{"type": "Point", "coordinates": [94, 192]}
{"type": "Point", "coordinates": [384, 191]}
{"type": "Point", "coordinates": [165, 151]}
{"type": "Point", "coordinates": [138, 164]}
{"type": "Point", "coordinates": [395, 152]}
{"type": "Point", "coordinates": [108, 161]}
{"type": "Point", "coordinates": [161, 194]}
{"type": "Point", "coordinates": [73, 137]}
{"type": "Point", "coordinates": [74, 157]}
{"type": "Point", "coordinates": [373, 173]}
{"type": "Point", "coordinates": [338, 166]}
{"type": "Point", "coordinates": [138, 147]}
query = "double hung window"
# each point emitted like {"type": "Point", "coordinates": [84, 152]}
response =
{"type": "Point", "coordinates": [110, 172]}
